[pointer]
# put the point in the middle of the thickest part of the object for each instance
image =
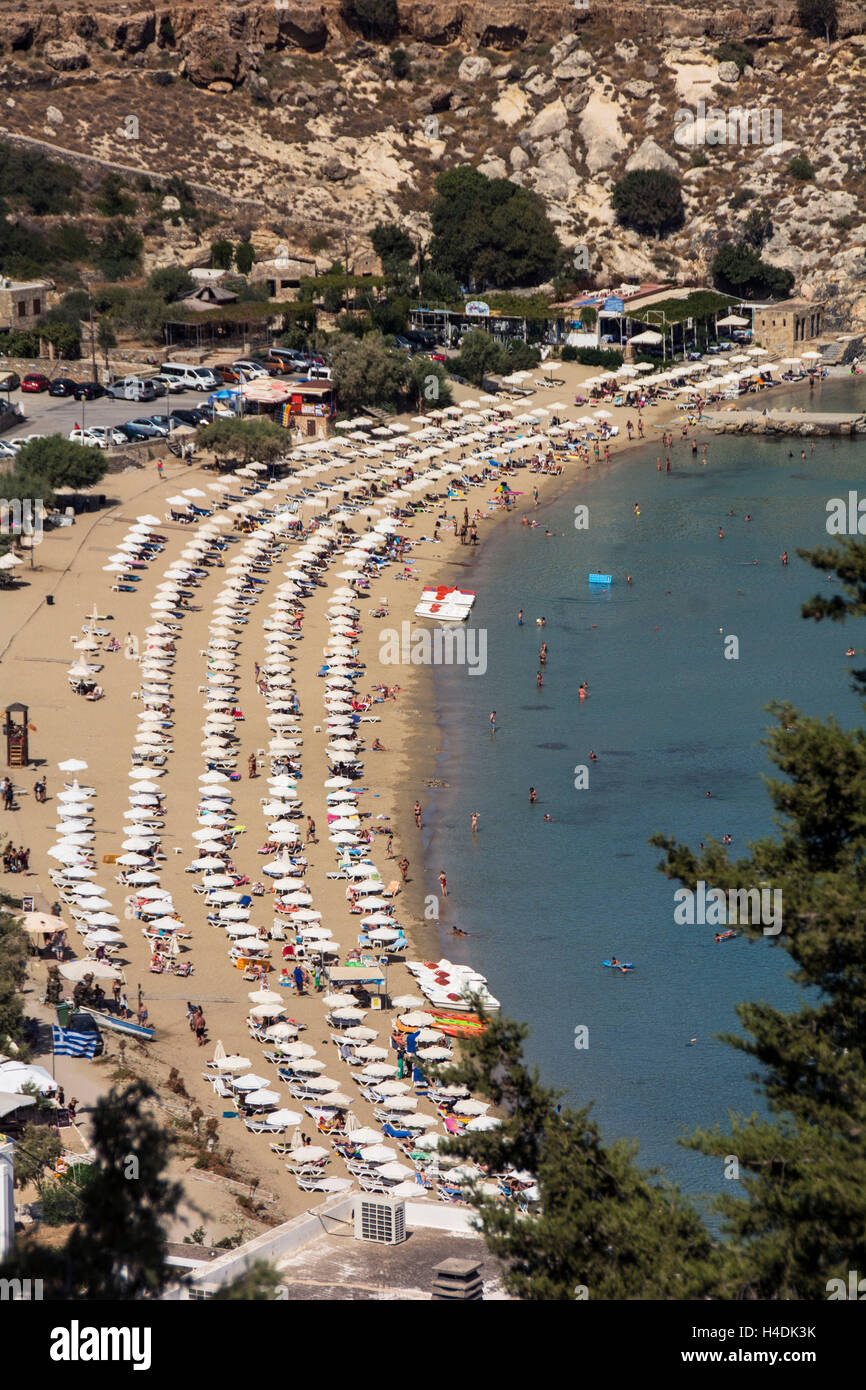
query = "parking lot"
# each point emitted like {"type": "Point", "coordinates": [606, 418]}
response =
{"type": "Point", "coordinates": [46, 414]}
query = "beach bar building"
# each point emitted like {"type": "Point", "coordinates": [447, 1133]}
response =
{"type": "Point", "coordinates": [311, 409]}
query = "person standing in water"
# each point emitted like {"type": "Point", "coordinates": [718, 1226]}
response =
{"type": "Point", "coordinates": [533, 796]}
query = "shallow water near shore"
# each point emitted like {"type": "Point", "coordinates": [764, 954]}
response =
{"type": "Point", "coordinates": [670, 719]}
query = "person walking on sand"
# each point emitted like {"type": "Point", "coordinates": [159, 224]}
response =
{"type": "Point", "coordinates": [389, 853]}
{"type": "Point", "coordinates": [443, 883]}
{"type": "Point", "coordinates": [416, 811]}
{"type": "Point", "coordinates": [159, 467]}
{"type": "Point", "coordinates": [311, 831]}
{"type": "Point", "coordinates": [403, 866]}
{"type": "Point", "coordinates": [251, 765]}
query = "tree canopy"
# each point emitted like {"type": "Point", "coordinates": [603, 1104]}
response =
{"type": "Point", "coordinates": [367, 372]}
{"type": "Point", "coordinates": [61, 462]}
{"type": "Point", "coordinates": [255, 440]}
{"type": "Point", "coordinates": [490, 231]}
{"type": "Point", "coordinates": [738, 269]}
{"type": "Point", "coordinates": [650, 201]}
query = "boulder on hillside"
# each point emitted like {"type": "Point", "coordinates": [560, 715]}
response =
{"type": "Point", "coordinates": [549, 121]}
{"type": "Point", "coordinates": [130, 33]}
{"type": "Point", "coordinates": [728, 73]}
{"type": "Point", "coordinates": [649, 155]}
{"type": "Point", "coordinates": [66, 55]}
{"type": "Point", "coordinates": [637, 89]}
{"type": "Point", "coordinates": [211, 55]}
{"type": "Point", "coordinates": [473, 68]}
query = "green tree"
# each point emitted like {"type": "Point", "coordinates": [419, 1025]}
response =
{"type": "Point", "coordinates": [36, 1151]}
{"type": "Point", "coordinates": [170, 282]}
{"type": "Point", "coordinates": [479, 355]}
{"type": "Point", "coordinates": [106, 338]}
{"type": "Point", "coordinates": [798, 1219]}
{"type": "Point", "coordinates": [599, 1224]}
{"type": "Point", "coordinates": [490, 231]}
{"type": "Point", "coordinates": [732, 51]}
{"type": "Point", "coordinates": [650, 201]}
{"type": "Point", "coordinates": [737, 269]}
{"type": "Point", "coordinates": [244, 257]}
{"type": "Point", "coordinates": [119, 251]}
{"type": "Point", "coordinates": [400, 65]}
{"type": "Point", "coordinates": [117, 1249]}
{"type": "Point", "coordinates": [43, 185]}
{"type": "Point", "coordinates": [13, 938]}
{"type": "Point", "coordinates": [758, 227]}
{"type": "Point", "coordinates": [819, 17]}
{"type": "Point", "coordinates": [254, 441]}
{"type": "Point", "coordinates": [221, 254]}
{"type": "Point", "coordinates": [799, 167]}
{"type": "Point", "coordinates": [429, 383]}
{"type": "Point", "coordinates": [114, 199]}
{"type": "Point", "coordinates": [367, 372]}
{"type": "Point", "coordinates": [60, 463]}
{"type": "Point", "coordinates": [439, 288]}
{"type": "Point", "coordinates": [392, 244]}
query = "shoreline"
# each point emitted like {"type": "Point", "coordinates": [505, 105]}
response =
{"type": "Point", "coordinates": [411, 729]}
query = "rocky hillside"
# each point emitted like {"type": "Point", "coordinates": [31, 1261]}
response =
{"type": "Point", "coordinates": [304, 122]}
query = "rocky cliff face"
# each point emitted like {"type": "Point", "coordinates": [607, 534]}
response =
{"type": "Point", "coordinates": [286, 104]}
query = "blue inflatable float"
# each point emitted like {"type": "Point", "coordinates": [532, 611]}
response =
{"type": "Point", "coordinates": [601, 579]}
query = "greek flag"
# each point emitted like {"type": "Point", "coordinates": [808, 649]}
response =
{"type": "Point", "coordinates": [68, 1043]}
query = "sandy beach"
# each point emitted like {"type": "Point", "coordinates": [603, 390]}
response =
{"type": "Point", "coordinates": [36, 649]}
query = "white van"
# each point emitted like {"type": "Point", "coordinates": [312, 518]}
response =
{"type": "Point", "coordinates": [193, 378]}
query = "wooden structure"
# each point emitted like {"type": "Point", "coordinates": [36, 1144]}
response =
{"type": "Point", "coordinates": [15, 729]}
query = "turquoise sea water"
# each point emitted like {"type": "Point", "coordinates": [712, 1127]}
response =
{"type": "Point", "coordinates": [670, 719]}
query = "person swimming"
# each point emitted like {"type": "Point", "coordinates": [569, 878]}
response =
{"type": "Point", "coordinates": [593, 757]}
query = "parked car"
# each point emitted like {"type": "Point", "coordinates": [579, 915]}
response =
{"type": "Point", "coordinates": [171, 383]}
{"type": "Point", "coordinates": [194, 418]}
{"type": "Point", "coordinates": [140, 429]}
{"type": "Point", "coordinates": [162, 422]}
{"type": "Point", "coordinates": [10, 381]}
{"type": "Point", "coordinates": [251, 370]}
{"type": "Point", "coordinates": [159, 386]}
{"type": "Point", "coordinates": [130, 388]}
{"type": "Point", "coordinates": [22, 439]}
{"type": "Point", "coordinates": [153, 423]}
{"type": "Point", "coordinates": [312, 358]}
{"type": "Point", "coordinates": [88, 391]}
{"type": "Point", "coordinates": [229, 374]}
{"type": "Point", "coordinates": [284, 362]}
{"type": "Point", "coordinates": [192, 378]}
{"type": "Point", "coordinates": [35, 381]}
{"type": "Point", "coordinates": [62, 386]}
{"type": "Point", "coordinates": [7, 450]}
{"type": "Point", "coordinates": [101, 436]}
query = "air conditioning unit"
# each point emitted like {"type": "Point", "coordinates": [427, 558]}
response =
{"type": "Point", "coordinates": [380, 1219]}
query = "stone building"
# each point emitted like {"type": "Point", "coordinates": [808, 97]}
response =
{"type": "Point", "coordinates": [789, 326]}
{"type": "Point", "coordinates": [22, 302]}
